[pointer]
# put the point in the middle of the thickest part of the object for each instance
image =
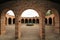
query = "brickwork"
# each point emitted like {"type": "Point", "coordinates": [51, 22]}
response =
{"type": "Point", "coordinates": [40, 6]}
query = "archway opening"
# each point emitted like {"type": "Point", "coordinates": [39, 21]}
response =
{"type": "Point", "coordinates": [9, 21]}
{"type": "Point", "coordinates": [45, 20]}
{"type": "Point", "coordinates": [22, 21]}
{"type": "Point", "coordinates": [13, 20]}
{"type": "Point", "coordinates": [34, 21]}
{"type": "Point", "coordinates": [10, 27]}
{"type": "Point", "coordinates": [37, 21]}
{"type": "Point", "coordinates": [31, 15]}
{"type": "Point", "coordinates": [31, 18]}
{"type": "Point", "coordinates": [30, 21]}
{"type": "Point", "coordinates": [10, 16]}
{"type": "Point", "coordinates": [26, 20]}
{"type": "Point", "coordinates": [51, 18]}
{"type": "Point", "coordinates": [50, 21]}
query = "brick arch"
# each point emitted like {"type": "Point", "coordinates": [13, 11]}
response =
{"type": "Point", "coordinates": [4, 11]}
{"type": "Point", "coordinates": [33, 8]}
{"type": "Point", "coordinates": [3, 15]}
{"type": "Point", "coordinates": [17, 24]}
{"type": "Point", "coordinates": [56, 23]}
{"type": "Point", "coordinates": [57, 26]}
{"type": "Point", "coordinates": [41, 13]}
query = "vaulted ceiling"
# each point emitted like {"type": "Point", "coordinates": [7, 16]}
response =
{"type": "Point", "coordinates": [3, 1]}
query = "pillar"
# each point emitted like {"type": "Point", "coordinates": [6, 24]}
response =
{"type": "Point", "coordinates": [57, 22]}
{"type": "Point", "coordinates": [57, 25]}
{"type": "Point", "coordinates": [42, 27]}
{"type": "Point", "coordinates": [7, 21]}
{"type": "Point", "coordinates": [2, 24]}
{"type": "Point", "coordinates": [17, 27]}
{"type": "Point", "coordinates": [48, 21]}
{"type": "Point", "coordinates": [12, 21]}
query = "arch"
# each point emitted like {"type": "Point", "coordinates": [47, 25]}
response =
{"type": "Point", "coordinates": [30, 21]}
{"type": "Point", "coordinates": [50, 20]}
{"type": "Point", "coordinates": [37, 21]}
{"type": "Point", "coordinates": [10, 12]}
{"type": "Point", "coordinates": [22, 20]}
{"type": "Point", "coordinates": [29, 13]}
{"type": "Point", "coordinates": [9, 20]}
{"type": "Point", "coordinates": [13, 20]}
{"type": "Point", "coordinates": [3, 15]}
{"type": "Point", "coordinates": [26, 20]}
{"type": "Point", "coordinates": [34, 21]}
{"type": "Point", "coordinates": [39, 12]}
{"type": "Point", "coordinates": [45, 20]}
{"type": "Point", "coordinates": [55, 20]}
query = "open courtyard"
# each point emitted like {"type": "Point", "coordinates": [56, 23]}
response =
{"type": "Point", "coordinates": [29, 33]}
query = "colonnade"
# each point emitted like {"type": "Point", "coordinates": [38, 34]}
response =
{"type": "Point", "coordinates": [30, 21]}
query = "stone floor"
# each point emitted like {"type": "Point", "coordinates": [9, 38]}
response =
{"type": "Point", "coordinates": [49, 34]}
{"type": "Point", "coordinates": [29, 33]}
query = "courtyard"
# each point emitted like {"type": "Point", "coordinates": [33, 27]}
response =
{"type": "Point", "coordinates": [29, 33]}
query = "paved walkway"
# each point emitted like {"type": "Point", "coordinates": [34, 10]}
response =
{"type": "Point", "coordinates": [10, 33]}
{"type": "Point", "coordinates": [29, 33]}
{"type": "Point", "coordinates": [49, 34]}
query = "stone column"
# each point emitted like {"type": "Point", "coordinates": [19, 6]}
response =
{"type": "Point", "coordinates": [48, 21]}
{"type": "Point", "coordinates": [7, 21]}
{"type": "Point", "coordinates": [2, 24]}
{"type": "Point", "coordinates": [12, 21]}
{"type": "Point", "coordinates": [42, 27]}
{"type": "Point", "coordinates": [53, 21]}
{"type": "Point", "coordinates": [17, 27]}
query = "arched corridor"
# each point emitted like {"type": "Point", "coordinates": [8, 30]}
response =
{"type": "Point", "coordinates": [31, 20]}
